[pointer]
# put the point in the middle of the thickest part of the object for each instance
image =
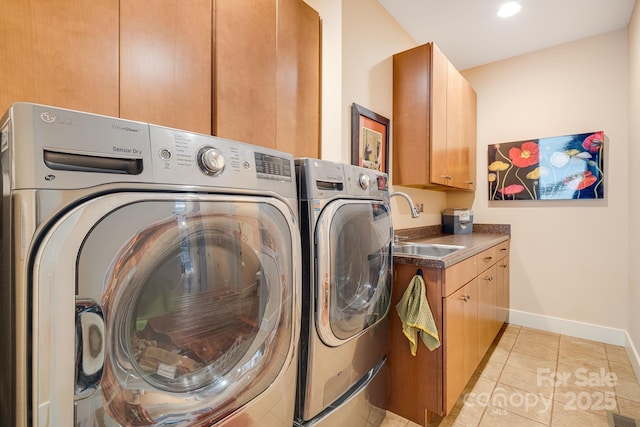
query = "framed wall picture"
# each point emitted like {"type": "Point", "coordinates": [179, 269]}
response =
{"type": "Point", "coordinates": [555, 168]}
{"type": "Point", "coordinates": [369, 139]}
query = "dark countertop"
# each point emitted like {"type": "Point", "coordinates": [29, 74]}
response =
{"type": "Point", "coordinates": [474, 243]}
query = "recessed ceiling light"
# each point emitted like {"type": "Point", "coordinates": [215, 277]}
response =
{"type": "Point", "coordinates": [509, 9]}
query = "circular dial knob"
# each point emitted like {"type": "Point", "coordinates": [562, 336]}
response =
{"type": "Point", "coordinates": [365, 181]}
{"type": "Point", "coordinates": [211, 160]}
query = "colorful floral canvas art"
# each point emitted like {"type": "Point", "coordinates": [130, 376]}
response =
{"type": "Point", "coordinates": [556, 168]}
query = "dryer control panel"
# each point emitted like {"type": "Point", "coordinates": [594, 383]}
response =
{"type": "Point", "coordinates": [324, 179]}
{"type": "Point", "coordinates": [65, 149]}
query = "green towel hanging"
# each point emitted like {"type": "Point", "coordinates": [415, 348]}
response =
{"type": "Point", "coordinates": [415, 314]}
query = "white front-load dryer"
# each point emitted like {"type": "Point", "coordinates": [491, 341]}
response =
{"type": "Point", "coordinates": [150, 276]}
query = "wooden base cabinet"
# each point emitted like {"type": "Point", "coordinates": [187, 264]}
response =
{"type": "Point", "coordinates": [435, 120]}
{"type": "Point", "coordinates": [469, 310]}
{"type": "Point", "coordinates": [461, 344]}
{"type": "Point", "coordinates": [488, 326]}
{"type": "Point", "coordinates": [502, 283]}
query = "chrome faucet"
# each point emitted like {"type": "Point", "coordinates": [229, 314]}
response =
{"type": "Point", "coordinates": [414, 211]}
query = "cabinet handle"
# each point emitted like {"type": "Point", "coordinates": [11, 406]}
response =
{"type": "Point", "coordinates": [470, 182]}
{"type": "Point", "coordinates": [505, 265]}
{"type": "Point", "coordinates": [503, 249]}
{"type": "Point", "coordinates": [447, 176]}
{"type": "Point", "coordinates": [465, 298]}
{"type": "Point", "coordinates": [488, 258]}
{"type": "Point", "coordinates": [488, 278]}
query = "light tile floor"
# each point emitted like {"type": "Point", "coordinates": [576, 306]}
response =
{"type": "Point", "coordinates": [536, 378]}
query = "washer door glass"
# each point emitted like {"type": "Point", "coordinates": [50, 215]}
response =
{"type": "Point", "coordinates": [198, 308]}
{"type": "Point", "coordinates": [355, 255]}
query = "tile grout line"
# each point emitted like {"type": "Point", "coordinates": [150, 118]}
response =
{"type": "Point", "coordinates": [615, 392]}
{"type": "Point", "coordinates": [553, 395]}
{"type": "Point", "coordinates": [484, 412]}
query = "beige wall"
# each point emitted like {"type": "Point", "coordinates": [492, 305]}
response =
{"type": "Point", "coordinates": [331, 127]}
{"type": "Point", "coordinates": [569, 259]}
{"type": "Point", "coordinates": [359, 39]}
{"type": "Point", "coordinates": [634, 177]}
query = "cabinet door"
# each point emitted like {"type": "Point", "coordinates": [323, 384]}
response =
{"type": "Point", "coordinates": [461, 340]}
{"type": "Point", "coordinates": [434, 132]}
{"type": "Point", "coordinates": [439, 117]}
{"type": "Point", "coordinates": [298, 79]}
{"type": "Point", "coordinates": [454, 117]}
{"type": "Point", "coordinates": [412, 115]}
{"type": "Point", "coordinates": [165, 69]}
{"type": "Point", "coordinates": [467, 136]}
{"type": "Point", "coordinates": [244, 105]}
{"type": "Point", "coordinates": [415, 382]}
{"type": "Point", "coordinates": [62, 53]}
{"type": "Point", "coordinates": [461, 131]}
{"type": "Point", "coordinates": [487, 313]}
{"type": "Point", "coordinates": [502, 289]}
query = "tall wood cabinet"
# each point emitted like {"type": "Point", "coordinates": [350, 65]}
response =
{"type": "Point", "coordinates": [62, 53]}
{"type": "Point", "coordinates": [247, 70]}
{"type": "Point", "coordinates": [468, 310]}
{"type": "Point", "coordinates": [434, 110]}
{"type": "Point", "coordinates": [267, 74]}
{"type": "Point", "coordinates": [165, 63]}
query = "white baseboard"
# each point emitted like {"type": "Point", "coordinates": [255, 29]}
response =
{"type": "Point", "coordinates": [632, 351]}
{"type": "Point", "coordinates": [569, 327]}
{"type": "Point", "coordinates": [579, 329]}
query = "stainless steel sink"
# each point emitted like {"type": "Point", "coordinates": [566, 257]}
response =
{"type": "Point", "coordinates": [425, 250]}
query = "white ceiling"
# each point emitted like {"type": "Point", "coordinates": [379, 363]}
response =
{"type": "Point", "coordinates": [470, 33]}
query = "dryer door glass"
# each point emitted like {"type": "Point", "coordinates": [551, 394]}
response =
{"type": "Point", "coordinates": [197, 305]}
{"type": "Point", "coordinates": [357, 261]}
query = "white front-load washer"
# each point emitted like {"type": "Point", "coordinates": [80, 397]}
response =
{"type": "Point", "coordinates": [150, 276]}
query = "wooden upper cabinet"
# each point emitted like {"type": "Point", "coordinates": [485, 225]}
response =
{"type": "Point", "coordinates": [62, 53]}
{"type": "Point", "coordinates": [298, 79]}
{"type": "Point", "coordinates": [468, 135]}
{"type": "Point", "coordinates": [244, 101]}
{"type": "Point", "coordinates": [438, 113]}
{"type": "Point", "coordinates": [267, 74]}
{"type": "Point", "coordinates": [247, 70]}
{"type": "Point", "coordinates": [434, 110]}
{"type": "Point", "coordinates": [166, 64]}
{"type": "Point", "coordinates": [412, 126]}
